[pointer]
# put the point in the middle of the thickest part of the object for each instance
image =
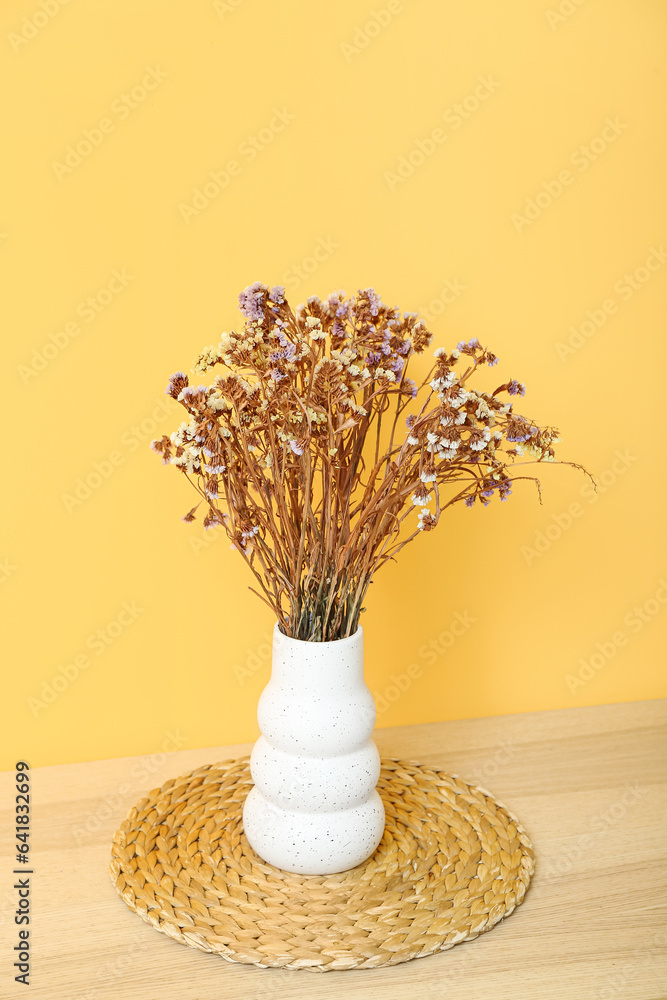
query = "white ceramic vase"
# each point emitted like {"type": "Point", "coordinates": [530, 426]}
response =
{"type": "Point", "coordinates": [314, 808]}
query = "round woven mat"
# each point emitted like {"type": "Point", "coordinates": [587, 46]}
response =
{"type": "Point", "coordinates": [451, 864]}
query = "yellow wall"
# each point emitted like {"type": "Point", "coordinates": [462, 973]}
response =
{"type": "Point", "coordinates": [537, 84]}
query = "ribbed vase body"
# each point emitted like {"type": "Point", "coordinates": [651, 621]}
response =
{"type": "Point", "coordinates": [314, 808]}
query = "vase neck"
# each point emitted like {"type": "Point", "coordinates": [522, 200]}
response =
{"type": "Point", "coordinates": [321, 664]}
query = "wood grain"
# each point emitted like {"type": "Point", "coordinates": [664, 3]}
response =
{"type": "Point", "coordinates": [589, 784]}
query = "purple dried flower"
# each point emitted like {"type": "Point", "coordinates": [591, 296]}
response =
{"type": "Point", "coordinates": [177, 383]}
{"type": "Point", "coordinates": [251, 300]}
{"type": "Point", "coordinates": [469, 501]}
{"type": "Point", "coordinates": [337, 305]}
{"type": "Point", "coordinates": [277, 294]}
{"type": "Point", "coordinates": [516, 388]}
{"type": "Point", "coordinates": [374, 300]}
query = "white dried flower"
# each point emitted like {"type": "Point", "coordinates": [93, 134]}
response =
{"type": "Point", "coordinates": [219, 404]}
{"type": "Point", "coordinates": [443, 382]}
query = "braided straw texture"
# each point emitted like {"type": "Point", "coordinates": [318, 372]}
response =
{"type": "Point", "coordinates": [451, 864]}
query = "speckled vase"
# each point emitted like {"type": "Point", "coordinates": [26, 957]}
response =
{"type": "Point", "coordinates": [314, 808]}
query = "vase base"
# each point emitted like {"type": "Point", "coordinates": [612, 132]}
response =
{"type": "Point", "coordinates": [309, 843]}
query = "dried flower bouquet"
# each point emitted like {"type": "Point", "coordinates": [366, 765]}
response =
{"type": "Point", "coordinates": [322, 458]}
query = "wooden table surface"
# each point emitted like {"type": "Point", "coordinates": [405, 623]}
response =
{"type": "Point", "coordinates": [589, 785]}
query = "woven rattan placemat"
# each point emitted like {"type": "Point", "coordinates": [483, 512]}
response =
{"type": "Point", "coordinates": [451, 864]}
